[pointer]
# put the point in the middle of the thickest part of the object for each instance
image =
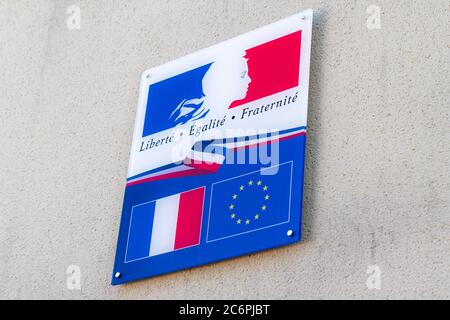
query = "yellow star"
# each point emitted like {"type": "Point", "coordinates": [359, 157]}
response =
{"type": "Point", "coordinates": [263, 208]}
{"type": "Point", "coordinates": [241, 188]}
{"type": "Point", "coordinates": [233, 216]}
{"type": "Point", "coordinates": [239, 221]}
{"type": "Point", "coordinates": [232, 207]}
{"type": "Point", "coordinates": [247, 221]}
{"type": "Point", "coordinates": [234, 196]}
{"type": "Point", "coordinates": [267, 197]}
{"type": "Point", "coordinates": [256, 216]}
{"type": "Point", "coordinates": [259, 183]}
{"type": "Point", "coordinates": [250, 183]}
{"type": "Point", "coordinates": [265, 188]}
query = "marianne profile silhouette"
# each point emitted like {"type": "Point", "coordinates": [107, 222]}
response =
{"type": "Point", "coordinates": [226, 81]}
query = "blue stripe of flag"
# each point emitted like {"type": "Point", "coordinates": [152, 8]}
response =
{"type": "Point", "coordinates": [140, 233]}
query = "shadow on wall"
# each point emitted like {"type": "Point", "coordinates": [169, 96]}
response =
{"type": "Point", "coordinates": [314, 116]}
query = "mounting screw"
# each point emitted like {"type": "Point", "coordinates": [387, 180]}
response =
{"type": "Point", "coordinates": [148, 76]}
{"type": "Point", "coordinates": [303, 17]}
{"type": "Point", "coordinates": [290, 233]}
{"type": "Point", "coordinates": [118, 275]}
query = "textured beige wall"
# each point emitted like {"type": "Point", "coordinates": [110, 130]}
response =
{"type": "Point", "coordinates": [377, 177]}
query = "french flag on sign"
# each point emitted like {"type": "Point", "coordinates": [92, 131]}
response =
{"type": "Point", "coordinates": [165, 225]}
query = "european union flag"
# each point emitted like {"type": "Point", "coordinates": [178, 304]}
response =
{"type": "Point", "coordinates": [250, 202]}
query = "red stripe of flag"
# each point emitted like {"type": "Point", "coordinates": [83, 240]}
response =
{"type": "Point", "coordinates": [272, 67]}
{"type": "Point", "coordinates": [189, 218]}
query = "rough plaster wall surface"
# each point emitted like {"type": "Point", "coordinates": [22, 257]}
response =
{"type": "Point", "coordinates": [377, 174]}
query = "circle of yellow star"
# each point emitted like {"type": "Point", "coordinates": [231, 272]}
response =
{"type": "Point", "coordinates": [240, 219]}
